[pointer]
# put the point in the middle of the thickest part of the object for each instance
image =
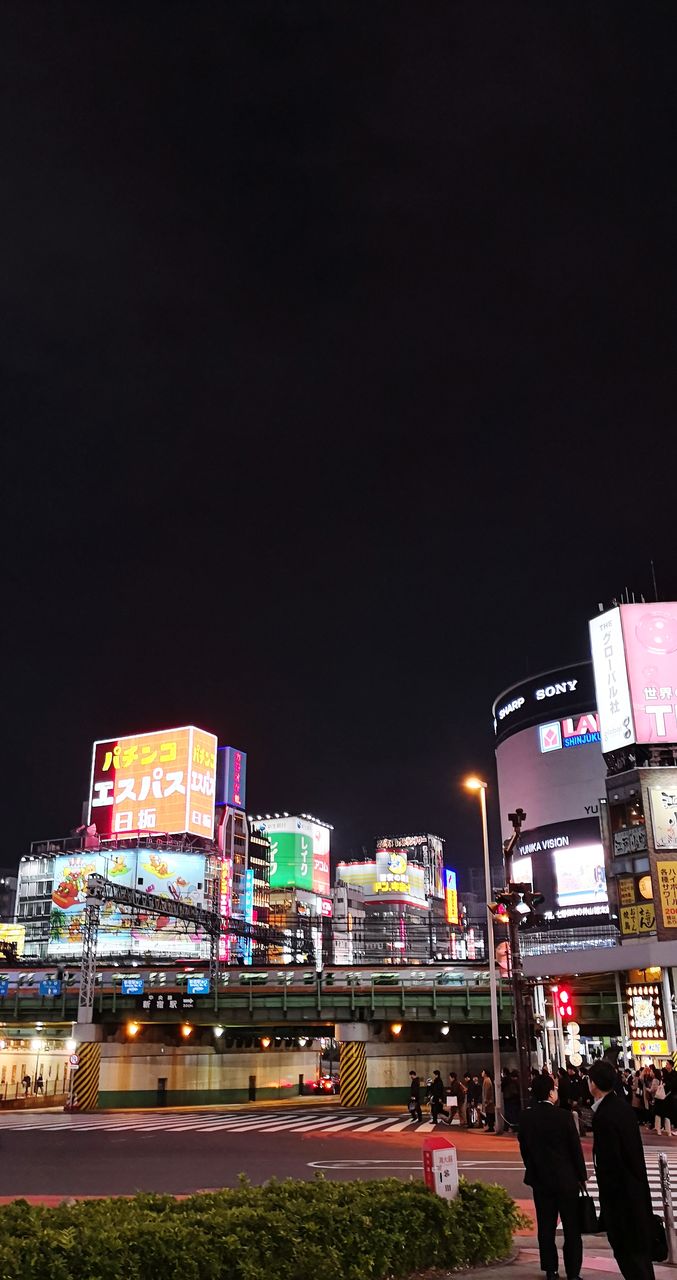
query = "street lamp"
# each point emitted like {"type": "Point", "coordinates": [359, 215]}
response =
{"type": "Point", "coordinates": [476, 784]}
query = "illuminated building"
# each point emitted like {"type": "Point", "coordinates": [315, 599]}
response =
{"type": "Point", "coordinates": [549, 763]}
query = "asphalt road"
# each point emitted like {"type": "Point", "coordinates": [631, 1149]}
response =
{"type": "Point", "coordinates": [181, 1152]}
{"type": "Point", "coordinates": [178, 1152]}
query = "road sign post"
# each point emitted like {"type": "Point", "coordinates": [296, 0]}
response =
{"type": "Point", "coordinates": [440, 1167]}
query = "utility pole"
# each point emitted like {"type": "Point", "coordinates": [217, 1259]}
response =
{"type": "Point", "coordinates": [521, 990]}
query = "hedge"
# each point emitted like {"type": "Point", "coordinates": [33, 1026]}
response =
{"type": "Point", "coordinates": [287, 1230]}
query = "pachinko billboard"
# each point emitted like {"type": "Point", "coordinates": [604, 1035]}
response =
{"type": "Point", "coordinates": [123, 931]}
{"type": "Point", "coordinates": [162, 782]}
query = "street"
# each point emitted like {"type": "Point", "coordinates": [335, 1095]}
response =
{"type": "Point", "coordinates": [50, 1154]}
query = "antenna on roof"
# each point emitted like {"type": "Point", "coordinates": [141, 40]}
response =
{"type": "Point", "coordinates": [653, 579]}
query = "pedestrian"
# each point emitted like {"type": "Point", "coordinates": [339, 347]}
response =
{"type": "Point", "coordinates": [637, 1100]}
{"type": "Point", "coordinates": [665, 1099]}
{"type": "Point", "coordinates": [555, 1170]}
{"type": "Point", "coordinates": [436, 1095]}
{"type": "Point", "coordinates": [457, 1093]}
{"type": "Point", "coordinates": [39, 1084]}
{"type": "Point", "coordinates": [414, 1102]}
{"type": "Point", "coordinates": [510, 1093]}
{"type": "Point", "coordinates": [625, 1198]}
{"type": "Point", "coordinates": [488, 1103]}
{"type": "Point", "coordinates": [26, 1082]}
{"type": "Point", "coordinates": [473, 1099]}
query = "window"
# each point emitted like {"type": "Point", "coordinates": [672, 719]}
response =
{"type": "Point", "coordinates": [13, 1081]}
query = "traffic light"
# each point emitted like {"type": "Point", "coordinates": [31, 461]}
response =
{"type": "Point", "coordinates": [564, 1006]}
{"type": "Point", "coordinates": [499, 912]}
{"type": "Point", "coordinates": [532, 901]}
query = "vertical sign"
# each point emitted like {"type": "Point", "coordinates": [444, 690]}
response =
{"type": "Point", "coordinates": [248, 911]}
{"type": "Point", "coordinates": [450, 896]}
{"type": "Point", "coordinates": [231, 777]}
{"type": "Point", "coordinates": [611, 681]}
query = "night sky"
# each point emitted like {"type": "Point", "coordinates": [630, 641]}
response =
{"type": "Point", "coordinates": [338, 350]}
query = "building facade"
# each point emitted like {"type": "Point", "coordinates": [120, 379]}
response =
{"type": "Point", "coordinates": [549, 763]}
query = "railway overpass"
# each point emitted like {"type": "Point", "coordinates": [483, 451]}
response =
{"type": "Point", "coordinates": [261, 1032]}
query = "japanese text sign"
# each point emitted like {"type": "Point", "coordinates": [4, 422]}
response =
{"type": "Point", "coordinates": [162, 781]}
{"type": "Point", "coordinates": [231, 777]}
{"type": "Point", "coordinates": [639, 918]}
{"type": "Point", "coordinates": [664, 816]}
{"type": "Point", "coordinates": [634, 653]}
{"type": "Point", "coordinates": [450, 896]}
{"type": "Point", "coordinates": [667, 884]}
{"type": "Point", "coordinates": [611, 681]}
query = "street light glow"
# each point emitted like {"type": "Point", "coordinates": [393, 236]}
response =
{"type": "Point", "coordinates": [474, 784]}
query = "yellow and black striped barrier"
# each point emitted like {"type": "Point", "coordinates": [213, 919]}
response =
{"type": "Point", "coordinates": [86, 1081]}
{"type": "Point", "coordinates": [353, 1073]}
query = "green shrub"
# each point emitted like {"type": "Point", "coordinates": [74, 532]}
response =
{"type": "Point", "coordinates": [282, 1231]}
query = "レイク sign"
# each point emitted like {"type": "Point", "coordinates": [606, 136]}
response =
{"type": "Point", "coordinates": [162, 781]}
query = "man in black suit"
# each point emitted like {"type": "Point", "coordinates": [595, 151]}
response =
{"type": "Point", "coordinates": [555, 1170]}
{"type": "Point", "coordinates": [624, 1195]}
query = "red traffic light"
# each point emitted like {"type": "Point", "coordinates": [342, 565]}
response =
{"type": "Point", "coordinates": [564, 1003]}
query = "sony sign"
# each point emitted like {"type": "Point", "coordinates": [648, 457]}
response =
{"type": "Point", "coordinates": [553, 690]}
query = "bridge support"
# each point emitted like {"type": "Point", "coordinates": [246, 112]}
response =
{"type": "Point", "coordinates": [352, 1038]}
{"type": "Point", "coordinates": [85, 1086]}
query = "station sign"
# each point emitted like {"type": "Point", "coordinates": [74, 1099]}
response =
{"type": "Point", "coordinates": [198, 986]}
{"type": "Point", "coordinates": [50, 987]}
{"type": "Point", "coordinates": [132, 986]}
{"type": "Point", "coordinates": [4, 986]}
{"type": "Point", "coordinates": [164, 1002]}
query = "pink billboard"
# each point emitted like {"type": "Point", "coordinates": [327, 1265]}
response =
{"type": "Point", "coordinates": [636, 680]}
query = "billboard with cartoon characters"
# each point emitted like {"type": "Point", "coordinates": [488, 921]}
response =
{"type": "Point", "coordinates": [178, 876]}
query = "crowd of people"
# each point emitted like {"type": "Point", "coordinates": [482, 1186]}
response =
{"type": "Point", "coordinates": [613, 1104]}
{"type": "Point", "coordinates": [470, 1100]}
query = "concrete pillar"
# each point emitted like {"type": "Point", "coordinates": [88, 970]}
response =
{"type": "Point", "coordinates": [85, 1089]}
{"type": "Point", "coordinates": [352, 1041]}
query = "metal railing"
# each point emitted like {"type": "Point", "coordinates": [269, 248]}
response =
{"type": "Point", "coordinates": [542, 944]}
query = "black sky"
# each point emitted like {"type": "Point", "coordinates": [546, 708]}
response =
{"type": "Point", "coordinates": [338, 348]}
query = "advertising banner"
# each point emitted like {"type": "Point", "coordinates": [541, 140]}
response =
{"type": "Point", "coordinates": [614, 705]}
{"type": "Point", "coordinates": [667, 886]}
{"type": "Point", "coordinates": [179, 876]}
{"type": "Point", "coordinates": [638, 918]}
{"type": "Point", "coordinates": [231, 777]}
{"type": "Point", "coordinates": [634, 653]}
{"type": "Point", "coordinates": [663, 802]}
{"type": "Point", "coordinates": [14, 933]}
{"type": "Point", "coordinates": [161, 782]}
{"type": "Point", "coordinates": [565, 862]}
{"type": "Point", "coordinates": [581, 877]}
{"type": "Point", "coordinates": [450, 896]}
{"type": "Point", "coordinates": [299, 854]}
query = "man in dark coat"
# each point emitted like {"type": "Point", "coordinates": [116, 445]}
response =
{"type": "Point", "coordinates": [624, 1195]}
{"type": "Point", "coordinates": [414, 1103]}
{"type": "Point", "coordinates": [555, 1170]}
{"type": "Point", "coordinates": [436, 1097]}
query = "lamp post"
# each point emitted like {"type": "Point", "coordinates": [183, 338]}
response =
{"type": "Point", "coordinates": [477, 785]}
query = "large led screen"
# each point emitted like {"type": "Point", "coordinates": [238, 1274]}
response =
{"type": "Point", "coordinates": [176, 876]}
{"type": "Point", "coordinates": [159, 782]}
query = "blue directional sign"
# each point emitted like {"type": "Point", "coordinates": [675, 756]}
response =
{"type": "Point", "coordinates": [198, 986]}
{"type": "Point", "coordinates": [4, 986]}
{"type": "Point", "coordinates": [50, 987]}
{"type": "Point", "coordinates": [132, 986]}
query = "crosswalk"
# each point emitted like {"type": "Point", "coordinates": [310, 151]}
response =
{"type": "Point", "coordinates": [295, 1120]}
{"type": "Point", "coordinates": [651, 1159]}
